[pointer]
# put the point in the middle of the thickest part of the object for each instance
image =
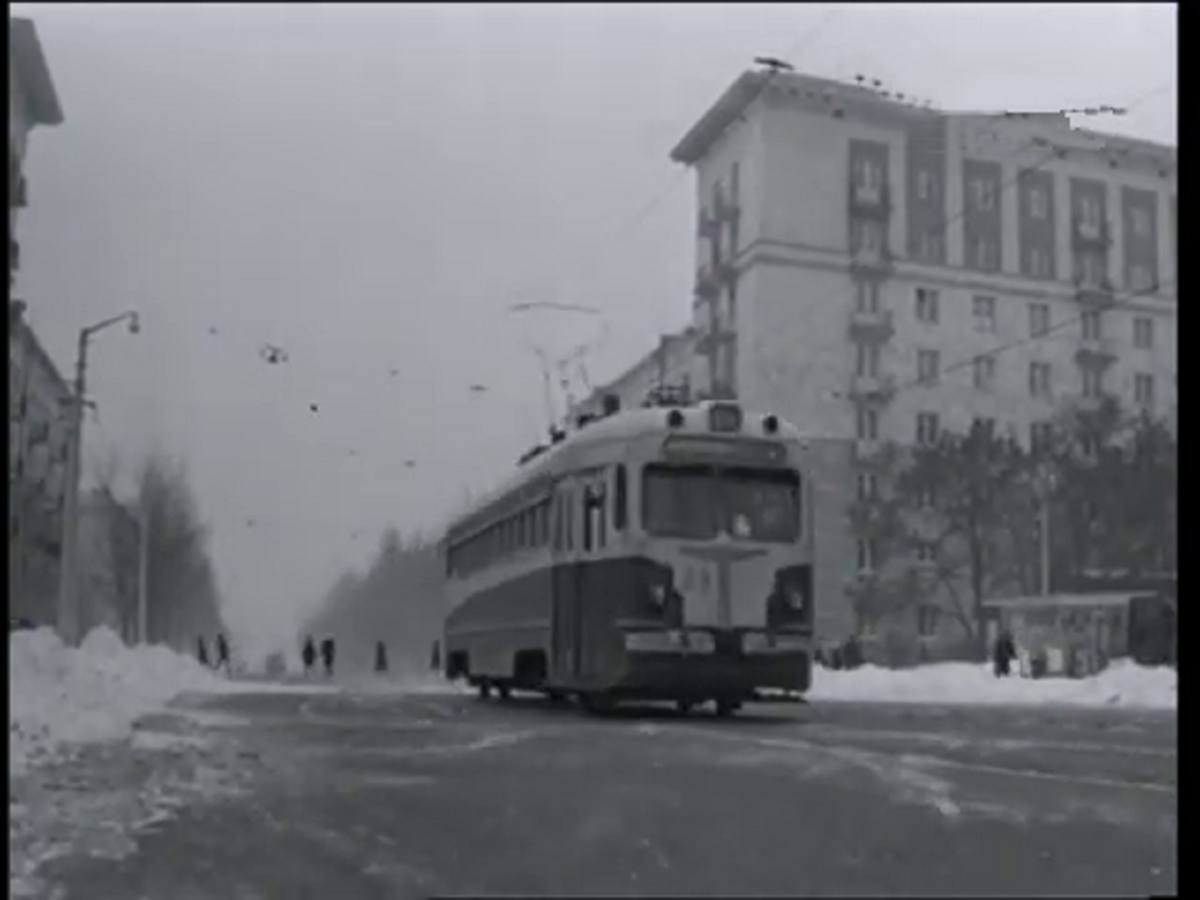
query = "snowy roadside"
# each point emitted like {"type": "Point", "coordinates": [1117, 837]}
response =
{"type": "Point", "coordinates": [1123, 684]}
{"type": "Point", "coordinates": [63, 697]}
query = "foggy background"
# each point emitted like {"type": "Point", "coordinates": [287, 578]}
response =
{"type": "Point", "coordinates": [371, 187]}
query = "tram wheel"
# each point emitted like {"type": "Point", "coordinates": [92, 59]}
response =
{"type": "Point", "coordinates": [485, 690]}
{"type": "Point", "coordinates": [556, 696]}
{"type": "Point", "coordinates": [726, 708]}
{"type": "Point", "coordinates": [504, 691]}
{"type": "Point", "coordinates": [683, 707]}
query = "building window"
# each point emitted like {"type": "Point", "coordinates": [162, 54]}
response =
{"type": "Point", "coordinates": [1039, 379]}
{"type": "Point", "coordinates": [1143, 333]}
{"type": "Point", "coordinates": [928, 365]}
{"type": "Point", "coordinates": [1089, 216]}
{"type": "Point", "coordinates": [1091, 269]}
{"type": "Point", "coordinates": [985, 372]}
{"type": "Point", "coordinates": [984, 253]}
{"type": "Point", "coordinates": [868, 235]}
{"type": "Point", "coordinates": [983, 194]}
{"type": "Point", "coordinates": [1143, 390]}
{"type": "Point", "coordinates": [1093, 383]}
{"type": "Point", "coordinates": [1039, 204]}
{"type": "Point", "coordinates": [1090, 324]}
{"type": "Point", "coordinates": [1041, 436]}
{"type": "Point", "coordinates": [866, 555]}
{"type": "Point", "coordinates": [926, 186]}
{"type": "Point", "coordinates": [867, 487]}
{"type": "Point", "coordinates": [868, 177]}
{"type": "Point", "coordinates": [868, 623]}
{"type": "Point", "coordinates": [1037, 263]}
{"type": "Point", "coordinates": [1139, 221]}
{"type": "Point", "coordinates": [984, 310]}
{"type": "Point", "coordinates": [927, 620]}
{"type": "Point", "coordinates": [1140, 277]}
{"type": "Point", "coordinates": [1039, 319]}
{"type": "Point", "coordinates": [867, 363]}
{"type": "Point", "coordinates": [867, 293]}
{"type": "Point", "coordinates": [927, 428]}
{"type": "Point", "coordinates": [867, 424]}
{"type": "Point", "coordinates": [930, 246]}
{"type": "Point", "coordinates": [927, 305]}
{"type": "Point", "coordinates": [925, 551]}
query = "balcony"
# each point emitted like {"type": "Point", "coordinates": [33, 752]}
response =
{"type": "Point", "coordinates": [726, 209]}
{"type": "Point", "coordinates": [1090, 235]}
{"type": "Point", "coordinates": [871, 262]}
{"type": "Point", "coordinates": [874, 389]}
{"type": "Point", "coordinates": [708, 285]}
{"type": "Point", "coordinates": [870, 201]}
{"type": "Point", "coordinates": [710, 340]}
{"type": "Point", "coordinates": [1094, 294]}
{"type": "Point", "coordinates": [1096, 352]}
{"type": "Point", "coordinates": [871, 325]}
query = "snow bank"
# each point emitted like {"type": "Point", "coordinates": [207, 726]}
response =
{"type": "Point", "coordinates": [60, 696]}
{"type": "Point", "coordinates": [1122, 684]}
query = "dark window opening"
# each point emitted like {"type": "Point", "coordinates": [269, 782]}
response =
{"type": "Point", "coordinates": [700, 502]}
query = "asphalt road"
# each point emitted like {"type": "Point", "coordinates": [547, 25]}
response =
{"type": "Point", "coordinates": [372, 794]}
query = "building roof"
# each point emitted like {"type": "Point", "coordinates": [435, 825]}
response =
{"type": "Point", "coordinates": [826, 94]}
{"type": "Point", "coordinates": [34, 349]}
{"type": "Point", "coordinates": [25, 55]}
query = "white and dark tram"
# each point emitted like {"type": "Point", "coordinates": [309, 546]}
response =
{"type": "Point", "coordinates": [654, 554]}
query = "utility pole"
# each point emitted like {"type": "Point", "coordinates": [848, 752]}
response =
{"type": "Point", "coordinates": [68, 600]}
{"type": "Point", "coordinates": [68, 613]}
{"type": "Point", "coordinates": [143, 587]}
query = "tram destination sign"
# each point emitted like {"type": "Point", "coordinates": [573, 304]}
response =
{"type": "Point", "coordinates": [732, 449]}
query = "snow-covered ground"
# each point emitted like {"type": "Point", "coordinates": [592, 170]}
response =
{"type": "Point", "coordinates": [63, 696]}
{"type": "Point", "coordinates": [1122, 684]}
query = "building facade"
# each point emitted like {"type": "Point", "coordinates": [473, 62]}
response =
{"type": "Point", "coordinates": [878, 272]}
{"type": "Point", "coordinates": [38, 441]}
{"type": "Point", "coordinates": [38, 395]}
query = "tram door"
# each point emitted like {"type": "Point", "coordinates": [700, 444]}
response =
{"type": "Point", "coordinates": [567, 619]}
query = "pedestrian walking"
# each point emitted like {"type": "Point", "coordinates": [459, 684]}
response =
{"type": "Point", "coordinates": [202, 651]}
{"type": "Point", "coordinates": [327, 655]}
{"type": "Point", "coordinates": [381, 659]}
{"type": "Point", "coordinates": [852, 655]}
{"type": "Point", "coordinates": [223, 653]}
{"type": "Point", "coordinates": [309, 655]}
{"type": "Point", "coordinates": [1003, 654]}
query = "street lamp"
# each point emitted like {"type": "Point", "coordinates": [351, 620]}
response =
{"type": "Point", "coordinates": [68, 609]}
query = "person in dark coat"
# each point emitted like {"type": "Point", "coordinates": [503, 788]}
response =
{"type": "Point", "coordinates": [381, 660]}
{"type": "Point", "coordinates": [202, 651]}
{"type": "Point", "coordinates": [1003, 654]}
{"type": "Point", "coordinates": [309, 655]}
{"type": "Point", "coordinates": [327, 655]}
{"type": "Point", "coordinates": [222, 653]}
{"type": "Point", "coordinates": [852, 657]}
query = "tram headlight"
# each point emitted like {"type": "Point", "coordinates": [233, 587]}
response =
{"type": "Point", "coordinates": [658, 594]}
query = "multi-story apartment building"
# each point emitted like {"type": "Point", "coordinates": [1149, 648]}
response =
{"type": "Point", "coordinates": [860, 259]}
{"type": "Point", "coordinates": [38, 395]}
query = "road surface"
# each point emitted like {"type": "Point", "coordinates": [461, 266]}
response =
{"type": "Point", "coordinates": [379, 794]}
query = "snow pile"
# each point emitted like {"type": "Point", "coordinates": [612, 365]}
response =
{"type": "Point", "coordinates": [1122, 684]}
{"type": "Point", "coordinates": [59, 695]}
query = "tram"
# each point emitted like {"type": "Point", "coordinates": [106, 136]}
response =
{"type": "Point", "coordinates": [654, 554]}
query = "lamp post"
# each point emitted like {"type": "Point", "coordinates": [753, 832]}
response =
{"type": "Point", "coordinates": [68, 605]}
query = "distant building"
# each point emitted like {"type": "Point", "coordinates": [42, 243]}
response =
{"type": "Point", "coordinates": [858, 256]}
{"type": "Point", "coordinates": [32, 101]}
{"type": "Point", "coordinates": [674, 364]}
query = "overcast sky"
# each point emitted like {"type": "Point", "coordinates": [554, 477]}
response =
{"type": "Point", "coordinates": [371, 187]}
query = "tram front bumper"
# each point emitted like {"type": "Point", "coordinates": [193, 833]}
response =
{"type": "Point", "coordinates": [710, 663]}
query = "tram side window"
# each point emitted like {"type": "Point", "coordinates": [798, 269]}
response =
{"type": "Point", "coordinates": [570, 519]}
{"type": "Point", "coordinates": [595, 514]}
{"type": "Point", "coordinates": [620, 499]}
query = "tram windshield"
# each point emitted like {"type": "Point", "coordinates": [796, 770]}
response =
{"type": "Point", "coordinates": [700, 502]}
